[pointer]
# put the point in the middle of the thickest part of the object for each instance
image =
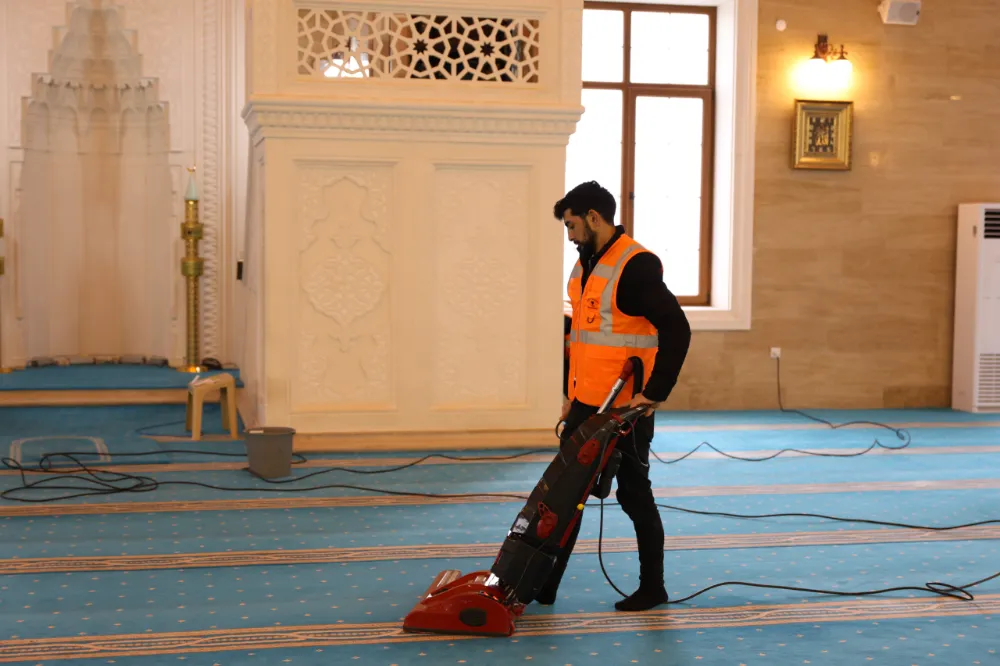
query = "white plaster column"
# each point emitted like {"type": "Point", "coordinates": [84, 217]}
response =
{"type": "Point", "coordinates": [403, 270]}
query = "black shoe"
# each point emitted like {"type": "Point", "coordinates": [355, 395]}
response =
{"type": "Point", "coordinates": [644, 599]}
{"type": "Point", "coordinates": [546, 597]}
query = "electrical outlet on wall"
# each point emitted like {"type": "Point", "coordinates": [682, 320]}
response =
{"type": "Point", "coordinates": [775, 352]}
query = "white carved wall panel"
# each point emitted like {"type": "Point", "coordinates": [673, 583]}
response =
{"type": "Point", "coordinates": [482, 217]}
{"type": "Point", "coordinates": [181, 43]}
{"type": "Point", "coordinates": [522, 52]}
{"type": "Point", "coordinates": [335, 43]}
{"type": "Point", "coordinates": [406, 286]}
{"type": "Point", "coordinates": [345, 272]}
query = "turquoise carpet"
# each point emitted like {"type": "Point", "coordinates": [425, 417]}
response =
{"type": "Point", "coordinates": [189, 574]}
{"type": "Point", "coordinates": [28, 433]}
{"type": "Point", "coordinates": [100, 377]}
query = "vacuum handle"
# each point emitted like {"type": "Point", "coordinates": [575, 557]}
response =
{"type": "Point", "coordinates": [619, 384]}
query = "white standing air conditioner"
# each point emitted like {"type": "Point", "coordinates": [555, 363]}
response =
{"type": "Point", "coordinates": [900, 12]}
{"type": "Point", "coordinates": [976, 354]}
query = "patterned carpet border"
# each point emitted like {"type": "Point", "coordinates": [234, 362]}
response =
{"type": "Point", "coordinates": [454, 551]}
{"type": "Point", "coordinates": [301, 501]}
{"type": "Point", "coordinates": [262, 638]}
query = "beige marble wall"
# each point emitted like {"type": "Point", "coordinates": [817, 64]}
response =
{"type": "Point", "coordinates": [853, 271]}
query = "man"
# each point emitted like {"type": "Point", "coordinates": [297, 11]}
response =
{"type": "Point", "coordinates": [621, 308]}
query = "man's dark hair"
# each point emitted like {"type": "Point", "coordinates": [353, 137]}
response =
{"type": "Point", "coordinates": [586, 197]}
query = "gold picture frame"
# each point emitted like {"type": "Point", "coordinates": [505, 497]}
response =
{"type": "Point", "coordinates": [823, 135]}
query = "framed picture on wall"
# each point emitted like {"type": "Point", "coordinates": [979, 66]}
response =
{"type": "Point", "coordinates": [823, 135]}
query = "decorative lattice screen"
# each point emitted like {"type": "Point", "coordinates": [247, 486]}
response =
{"type": "Point", "coordinates": [338, 44]}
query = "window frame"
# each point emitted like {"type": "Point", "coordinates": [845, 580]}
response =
{"type": "Point", "coordinates": [631, 91]}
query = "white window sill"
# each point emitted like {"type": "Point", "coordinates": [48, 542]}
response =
{"type": "Point", "coordinates": [707, 318]}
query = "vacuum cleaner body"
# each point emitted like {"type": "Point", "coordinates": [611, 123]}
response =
{"type": "Point", "coordinates": [487, 603]}
{"type": "Point", "coordinates": [585, 465]}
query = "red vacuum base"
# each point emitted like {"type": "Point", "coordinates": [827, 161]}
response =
{"type": "Point", "coordinates": [457, 604]}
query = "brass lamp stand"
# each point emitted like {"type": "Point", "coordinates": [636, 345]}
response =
{"type": "Point", "coordinates": [192, 267]}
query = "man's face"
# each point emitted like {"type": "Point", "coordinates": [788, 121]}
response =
{"type": "Point", "coordinates": [578, 230]}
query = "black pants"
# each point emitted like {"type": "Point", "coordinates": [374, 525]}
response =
{"type": "Point", "coordinates": [634, 494]}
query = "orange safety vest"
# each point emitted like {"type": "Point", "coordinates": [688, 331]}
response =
{"type": "Point", "coordinates": [603, 337]}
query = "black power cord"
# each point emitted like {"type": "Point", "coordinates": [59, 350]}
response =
{"type": "Point", "coordinates": [960, 592]}
{"type": "Point", "coordinates": [95, 481]}
{"type": "Point", "coordinates": [91, 481]}
{"type": "Point", "coordinates": [900, 433]}
{"type": "Point", "coordinates": [104, 482]}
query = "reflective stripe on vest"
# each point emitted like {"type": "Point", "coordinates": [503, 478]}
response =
{"type": "Point", "coordinates": [606, 272]}
{"type": "Point", "coordinates": [615, 339]}
{"type": "Point", "coordinates": [607, 296]}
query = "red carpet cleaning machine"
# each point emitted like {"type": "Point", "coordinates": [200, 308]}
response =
{"type": "Point", "coordinates": [487, 603]}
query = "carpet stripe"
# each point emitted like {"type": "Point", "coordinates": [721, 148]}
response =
{"type": "Point", "coordinates": [532, 459]}
{"type": "Point", "coordinates": [473, 550]}
{"type": "Point", "coordinates": [262, 638]}
{"type": "Point", "coordinates": [350, 501]}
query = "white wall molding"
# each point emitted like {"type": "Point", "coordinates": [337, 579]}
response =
{"type": "Point", "coordinates": [235, 148]}
{"type": "Point", "coordinates": [461, 123]}
{"type": "Point", "coordinates": [211, 156]}
{"type": "Point", "coordinates": [736, 119]}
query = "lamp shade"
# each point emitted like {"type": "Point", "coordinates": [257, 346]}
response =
{"type": "Point", "coordinates": [818, 79]}
{"type": "Point", "coordinates": [840, 71]}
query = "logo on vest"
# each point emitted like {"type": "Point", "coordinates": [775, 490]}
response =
{"type": "Point", "coordinates": [593, 304]}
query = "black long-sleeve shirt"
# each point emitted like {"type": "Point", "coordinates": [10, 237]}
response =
{"type": "Point", "coordinates": [642, 293]}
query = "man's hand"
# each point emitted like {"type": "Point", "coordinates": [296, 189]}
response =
{"type": "Point", "coordinates": [641, 400]}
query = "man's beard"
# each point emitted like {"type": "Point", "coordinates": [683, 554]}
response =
{"type": "Point", "coordinates": [587, 245]}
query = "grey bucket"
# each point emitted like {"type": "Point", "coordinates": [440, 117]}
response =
{"type": "Point", "coordinates": [269, 451]}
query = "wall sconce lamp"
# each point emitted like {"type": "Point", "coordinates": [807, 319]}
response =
{"type": "Point", "coordinates": [827, 52]}
{"type": "Point", "coordinates": [828, 71]}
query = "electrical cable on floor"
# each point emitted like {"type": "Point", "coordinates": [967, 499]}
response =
{"type": "Point", "coordinates": [98, 481]}
{"type": "Point", "coordinates": [146, 484]}
{"type": "Point", "coordinates": [103, 482]}
{"type": "Point", "coordinates": [900, 433]}
{"type": "Point", "coordinates": [960, 592]}
{"type": "Point", "coordinates": [868, 521]}
{"type": "Point", "coordinates": [136, 483]}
